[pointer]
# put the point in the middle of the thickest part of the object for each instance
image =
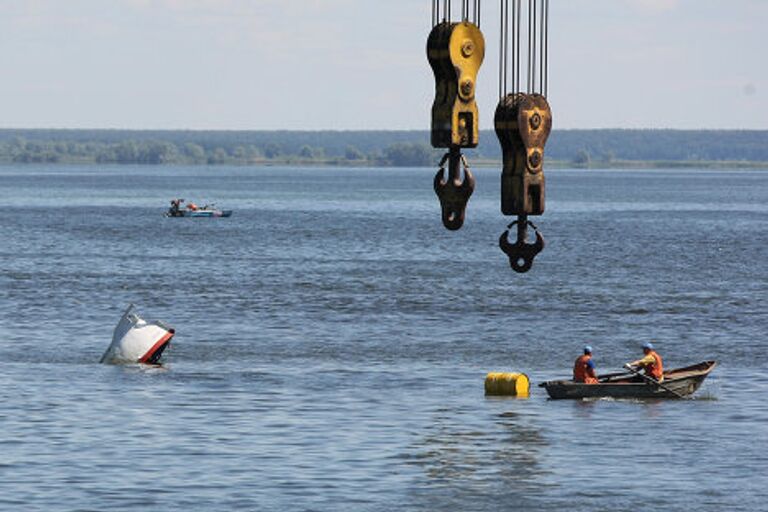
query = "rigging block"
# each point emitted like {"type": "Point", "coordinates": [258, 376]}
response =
{"type": "Point", "coordinates": [455, 52]}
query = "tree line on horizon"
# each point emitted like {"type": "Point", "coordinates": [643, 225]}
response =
{"type": "Point", "coordinates": [374, 148]}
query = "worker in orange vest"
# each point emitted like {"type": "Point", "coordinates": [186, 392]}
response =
{"type": "Point", "coordinates": [651, 363]}
{"type": "Point", "coordinates": [584, 368]}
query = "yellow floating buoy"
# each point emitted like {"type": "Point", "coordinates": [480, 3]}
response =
{"type": "Point", "coordinates": [506, 383]}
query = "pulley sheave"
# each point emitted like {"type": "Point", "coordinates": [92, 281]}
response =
{"type": "Point", "coordinates": [522, 123]}
{"type": "Point", "coordinates": [455, 52]}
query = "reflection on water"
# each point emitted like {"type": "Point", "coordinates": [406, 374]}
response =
{"type": "Point", "coordinates": [468, 454]}
{"type": "Point", "coordinates": [584, 409]}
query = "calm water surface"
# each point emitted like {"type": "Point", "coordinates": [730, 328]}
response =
{"type": "Point", "coordinates": [332, 341]}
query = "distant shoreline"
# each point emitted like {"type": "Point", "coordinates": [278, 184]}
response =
{"type": "Point", "coordinates": [483, 164]}
{"type": "Point", "coordinates": [595, 149]}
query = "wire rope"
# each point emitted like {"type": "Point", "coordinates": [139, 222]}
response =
{"type": "Point", "coordinates": [546, 49]}
{"type": "Point", "coordinates": [527, 30]}
{"type": "Point", "coordinates": [501, 47]}
{"type": "Point", "coordinates": [541, 48]}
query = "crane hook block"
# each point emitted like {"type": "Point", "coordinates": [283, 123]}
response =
{"type": "Point", "coordinates": [455, 52]}
{"type": "Point", "coordinates": [523, 123]}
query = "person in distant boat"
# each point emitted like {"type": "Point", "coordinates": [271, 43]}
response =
{"type": "Point", "coordinates": [191, 206]}
{"type": "Point", "coordinates": [584, 368]}
{"type": "Point", "coordinates": [650, 363]}
{"type": "Point", "coordinates": [175, 206]}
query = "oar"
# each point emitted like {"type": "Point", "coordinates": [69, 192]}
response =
{"type": "Point", "coordinates": [610, 376]}
{"type": "Point", "coordinates": [654, 381]}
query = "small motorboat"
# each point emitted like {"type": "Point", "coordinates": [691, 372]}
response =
{"type": "Point", "coordinates": [192, 210]}
{"type": "Point", "coordinates": [678, 383]}
{"type": "Point", "coordinates": [137, 341]}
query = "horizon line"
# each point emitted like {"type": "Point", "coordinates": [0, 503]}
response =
{"type": "Point", "coordinates": [363, 130]}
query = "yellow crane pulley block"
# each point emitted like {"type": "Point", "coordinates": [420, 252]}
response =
{"type": "Point", "coordinates": [523, 123]}
{"type": "Point", "coordinates": [455, 52]}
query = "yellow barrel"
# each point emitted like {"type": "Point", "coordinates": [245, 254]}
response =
{"type": "Point", "coordinates": [506, 383]}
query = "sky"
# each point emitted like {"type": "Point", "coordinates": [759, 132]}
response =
{"type": "Point", "coordinates": [361, 64]}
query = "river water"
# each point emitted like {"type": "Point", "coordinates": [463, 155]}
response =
{"type": "Point", "coordinates": [333, 339]}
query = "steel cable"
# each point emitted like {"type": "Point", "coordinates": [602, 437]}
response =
{"type": "Point", "coordinates": [506, 47]}
{"type": "Point", "coordinates": [518, 42]}
{"type": "Point", "coordinates": [546, 50]}
{"type": "Point", "coordinates": [541, 49]}
{"type": "Point", "coordinates": [530, 47]}
{"type": "Point", "coordinates": [535, 36]}
{"type": "Point", "coordinates": [501, 47]}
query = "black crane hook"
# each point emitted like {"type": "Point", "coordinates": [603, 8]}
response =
{"type": "Point", "coordinates": [521, 253]}
{"type": "Point", "coordinates": [452, 191]}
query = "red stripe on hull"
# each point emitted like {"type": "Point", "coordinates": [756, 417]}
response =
{"type": "Point", "coordinates": [156, 347]}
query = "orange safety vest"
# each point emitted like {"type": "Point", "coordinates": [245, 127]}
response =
{"type": "Point", "coordinates": [583, 373]}
{"type": "Point", "coordinates": [655, 369]}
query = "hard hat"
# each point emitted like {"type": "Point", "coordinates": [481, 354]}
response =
{"type": "Point", "coordinates": [587, 349]}
{"type": "Point", "coordinates": [648, 345]}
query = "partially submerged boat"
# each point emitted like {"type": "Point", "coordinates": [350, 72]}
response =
{"type": "Point", "coordinates": [677, 383]}
{"type": "Point", "coordinates": [137, 341]}
{"type": "Point", "coordinates": [192, 210]}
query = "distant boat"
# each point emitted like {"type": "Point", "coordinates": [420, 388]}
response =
{"type": "Point", "coordinates": [207, 212]}
{"type": "Point", "coordinates": [677, 383]}
{"type": "Point", "coordinates": [192, 210]}
{"type": "Point", "coordinates": [137, 341]}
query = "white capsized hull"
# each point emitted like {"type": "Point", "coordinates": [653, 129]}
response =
{"type": "Point", "coordinates": [137, 341]}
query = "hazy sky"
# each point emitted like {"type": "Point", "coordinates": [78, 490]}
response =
{"type": "Point", "coordinates": [361, 64]}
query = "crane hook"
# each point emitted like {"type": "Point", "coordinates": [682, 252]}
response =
{"type": "Point", "coordinates": [452, 191]}
{"type": "Point", "coordinates": [521, 253]}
